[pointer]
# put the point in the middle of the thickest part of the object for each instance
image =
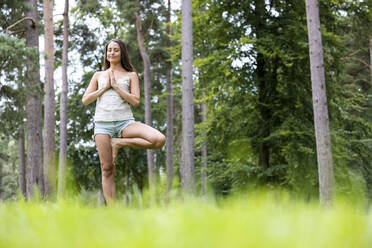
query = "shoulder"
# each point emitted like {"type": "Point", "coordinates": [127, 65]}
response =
{"type": "Point", "coordinates": [98, 74]}
{"type": "Point", "coordinates": [133, 78]}
{"type": "Point", "coordinates": [133, 74]}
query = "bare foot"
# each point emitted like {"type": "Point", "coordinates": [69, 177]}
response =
{"type": "Point", "coordinates": [115, 148]}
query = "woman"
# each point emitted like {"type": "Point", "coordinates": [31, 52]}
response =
{"type": "Point", "coordinates": [115, 89]}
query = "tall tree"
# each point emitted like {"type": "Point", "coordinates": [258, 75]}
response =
{"type": "Point", "coordinates": [203, 113]}
{"type": "Point", "coordinates": [169, 146]}
{"type": "Point", "coordinates": [204, 148]}
{"type": "Point", "coordinates": [147, 89]}
{"type": "Point", "coordinates": [49, 102]}
{"type": "Point", "coordinates": [370, 58]}
{"type": "Point", "coordinates": [321, 122]}
{"type": "Point", "coordinates": [34, 174]}
{"type": "Point", "coordinates": [1, 180]}
{"type": "Point", "coordinates": [21, 146]}
{"type": "Point", "coordinates": [266, 87]}
{"type": "Point", "coordinates": [63, 106]}
{"type": "Point", "coordinates": [187, 166]}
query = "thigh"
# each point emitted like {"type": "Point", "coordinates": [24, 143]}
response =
{"type": "Point", "coordinates": [101, 127]}
{"type": "Point", "coordinates": [140, 130]}
{"type": "Point", "coordinates": [103, 143]}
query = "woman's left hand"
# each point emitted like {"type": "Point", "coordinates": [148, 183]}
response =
{"type": "Point", "coordinates": [114, 84]}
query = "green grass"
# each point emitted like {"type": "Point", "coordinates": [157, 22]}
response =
{"type": "Point", "coordinates": [268, 219]}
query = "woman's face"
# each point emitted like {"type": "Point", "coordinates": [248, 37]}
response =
{"type": "Point", "coordinates": [113, 52]}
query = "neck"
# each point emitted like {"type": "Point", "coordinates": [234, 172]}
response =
{"type": "Point", "coordinates": [115, 67]}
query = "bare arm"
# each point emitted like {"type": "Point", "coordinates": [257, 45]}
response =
{"type": "Point", "coordinates": [91, 93]}
{"type": "Point", "coordinates": [133, 98]}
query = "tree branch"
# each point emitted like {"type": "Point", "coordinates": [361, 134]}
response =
{"type": "Point", "coordinates": [359, 60]}
{"type": "Point", "coordinates": [16, 23]}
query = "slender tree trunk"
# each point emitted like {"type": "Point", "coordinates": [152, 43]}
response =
{"type": "Point", "coordinates": [170, 117]}
{"type": "Point", "coordinates": [187, 167]}
{"type": "Point", "coordinates": [169, 152]}
{"type": "Point", "coordinates": [34, 175]}
{"type": "Point", "coordinates": [180, 150]}
{"type": "Point", "coordinates": [49, 103]}
{"type": "Point", "coordinates": [370, 57]}
{"type": "Point", "coordinates": [1, 181]}
{"type": "Point", "coordinates": [204, 149]}
{"type": "Point", "coordinates": [263, 88]}
{"type": "Point", "coordinates": [63, 107]}
{"type": "Point", "coordinates": [21, 141]}
{"type": "Point", "coordinates": [204, 145]}
{"type": "Point", "coordinates": [322, 134]}
{"type": "Point", "coordinates": [147, 89]}
{"type": "Point", "coordinates": [21, 162]}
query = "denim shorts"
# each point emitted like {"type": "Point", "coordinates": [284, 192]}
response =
{"type": "Point", "coordinates": [112, 128]}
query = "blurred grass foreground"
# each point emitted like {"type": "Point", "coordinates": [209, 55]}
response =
{"type": "Point", "coordinates": [268, 219]}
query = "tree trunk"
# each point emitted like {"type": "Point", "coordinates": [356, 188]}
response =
{"type": "Point", "coordinates": [370, 58]}
{"type": "Point", "coordinates": [169, 152]}
{"type": "Point", "coordinates": [187, 166]}
{"type": "Point", "coordinates": [21, 162]}
{"type": "Point", "coordinates": [204, 148]}
{"type": "Point", "coordinates": [63, 107]}
{"type": "Point", "coordinates": [21, 142]}
{"type": "Point", "coordinates": [147, 89]}
{"type": "Point", "coordinates": [34, 174]}
{"type": "Point", "coordinates": [180, 150]}
{"type": "Point", "coordinates": [1, 181]}
{"type": "Point", "coordinates": [322, 134]}
{"type": "Point", "coordinates": [49, 103]}
{"type": "Point", "coordinates": [264, 86]}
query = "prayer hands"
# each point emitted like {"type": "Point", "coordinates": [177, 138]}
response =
{"type": "Point", "coordinates": [108, 85]}
{"type": "Point", "coordinates": [112, 80]}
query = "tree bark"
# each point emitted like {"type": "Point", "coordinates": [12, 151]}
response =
{"type": "Point", "coordinates": [169, 151]}
{"type": "Point", "coordinates": [370, 58]}
{"type": "Point", "coordinates": [21, 162]}
{"type": "Point", "coordinates": [187, 166]}
{"type": "Point", "coordinates": [180, 150]}
{"type": "Point", "coordinates": [322, 133]}
{"type": "Point", "coordinates": [49, 103]}
{"type": "Point", "coordinates": [34, 174]}
{"type": "Point", "coordinates": [147, 93]}
{"type": "Point", "coordinates": [63, 107]}
{"type": "Point", "coordinates": [264, 88]}
{"type": "Point", "coordinates": [1, 181]}
{"type": "Point", "coordinates": [21, 141]}
{"type": "Point", "coordinates": [204, 149]}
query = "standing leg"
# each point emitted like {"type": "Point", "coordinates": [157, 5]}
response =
{"type": "Point", "coordinates": [107, 167]}
{"type": "Point", "coordinates": [138, 135]}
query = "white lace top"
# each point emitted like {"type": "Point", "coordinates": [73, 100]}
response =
{"type": "Point", "coordinates": [110, 106]}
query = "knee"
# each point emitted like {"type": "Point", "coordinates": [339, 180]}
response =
{"type": "Point", "coordinates": [159, 141]}
{"type": "Point", "coordinates": [107, 170]}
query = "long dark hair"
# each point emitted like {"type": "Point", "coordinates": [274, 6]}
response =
{"type": "Point", "coordinates": [124, 58]}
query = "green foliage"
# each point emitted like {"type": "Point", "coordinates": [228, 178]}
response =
{"type": "Point", "coordinates": [252, 63]}
{"type": "Point", "coordinates": [8, 168]}
{"type": "Point", "coordinates": [11, 12]}
{"type": "Point", "coordinates": [13, 54]}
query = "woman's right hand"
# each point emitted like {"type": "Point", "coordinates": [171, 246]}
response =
{"type": "Point", "coordinates": [108, 85]}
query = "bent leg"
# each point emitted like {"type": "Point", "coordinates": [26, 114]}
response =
{"type": "Point", "coordinates": [141, 135]}
{"type": "Point", "coordinates": [107, 167]}
{"type": "Point", "coordinates": [138, 135]}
